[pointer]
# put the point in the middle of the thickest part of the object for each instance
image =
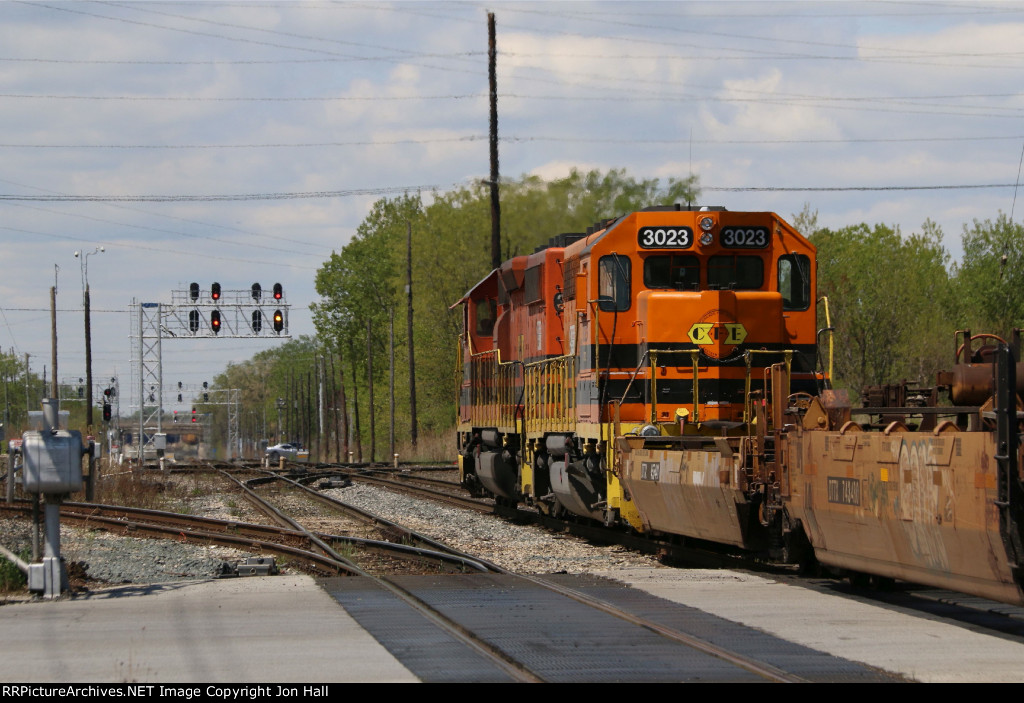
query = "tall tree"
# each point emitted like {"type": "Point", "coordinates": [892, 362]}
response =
{"type": "Point", "coordinates": [887, 294]}
{"type": "Point", "coordinates": [990, 278]}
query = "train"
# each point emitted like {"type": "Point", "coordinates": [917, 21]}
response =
{"type": "Point", "coordinates": [668, 371]}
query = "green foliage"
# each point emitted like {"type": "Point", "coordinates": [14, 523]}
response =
{"type": "Point", "coordinates": [20, 391]}
{"type": "Point", "coordinates": [287, 373]}
{"type": "Point", "coordinates": [990, 278]}
{"type": "Point", "coordinates": [889, 298]}
{"type": "Point", "coordinates": [806, 221]}
{"type": "Point", "coordinates": [11, 578]}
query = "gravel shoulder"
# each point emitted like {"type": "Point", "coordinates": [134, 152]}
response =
{"type": "Point", "coordinates": [97, 558]}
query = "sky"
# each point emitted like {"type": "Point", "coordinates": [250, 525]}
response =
{"type": "Point", "coordinates": [244, 141]}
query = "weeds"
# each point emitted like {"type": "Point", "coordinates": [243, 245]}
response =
{"type": "Point", "coordinates": [11, 578]}
{"type": "Point", "coordinates": [150, 492]}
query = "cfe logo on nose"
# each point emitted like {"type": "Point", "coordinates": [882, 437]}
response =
{"type": "Point", "coordinates": [717, 333]}
{"type": "Point", "coordinates": [704, 333]}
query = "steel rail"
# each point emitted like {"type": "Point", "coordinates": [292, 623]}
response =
{"type": "Point", "coordinates": [480, 506]}
{"type": "Point", "coordinates": [514, 668]}
{"type": "Point", "coordinates": [757, 667]}
{"type": "Point", "coordinates": [173, 530]}
{"type": "Point", "coordinates": [393, 527]}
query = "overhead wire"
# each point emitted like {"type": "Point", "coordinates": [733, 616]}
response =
{"type": "Point", "coordinates": [212, 225]}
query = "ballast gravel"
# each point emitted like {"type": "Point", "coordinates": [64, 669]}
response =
{"type": "Point", "coordinates": [115, 559]}
{"type": "Point", "coordinates": [521, 548]}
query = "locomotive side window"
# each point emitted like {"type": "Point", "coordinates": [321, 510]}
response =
{"type": "Point", "coordinates": [532, 292]}
{"type": "Point", "coordinates": [795, 281]}
{"type": "Point", "coordinates": [614, 283]}
{"type": "Point", "coordinates": [678, 272]}
{"type": "Point", "coordinates": [486, 314]}
{"type": "Point", "coordinates": [735, 272]}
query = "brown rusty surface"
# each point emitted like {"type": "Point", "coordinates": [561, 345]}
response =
{"type": "Point", "coordinates": [912, 505]}
{"type": "Point", "coordinates": [685, 492]}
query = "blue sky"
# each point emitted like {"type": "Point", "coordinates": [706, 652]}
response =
{"type": "Point", "coordinates": [348, 101]}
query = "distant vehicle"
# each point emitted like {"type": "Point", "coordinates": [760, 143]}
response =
{"type": "Point", "coordinates": [287, 450]}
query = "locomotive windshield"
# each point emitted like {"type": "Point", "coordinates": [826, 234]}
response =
{"type": "Point", "coordinates": [735, 272]}
{"type": "Point", "coordinates": [675, 271]}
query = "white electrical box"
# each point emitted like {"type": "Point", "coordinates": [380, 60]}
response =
{"type": "Point", "coordinates": [52, 461]}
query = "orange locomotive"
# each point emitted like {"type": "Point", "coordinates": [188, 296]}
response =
{"type": "Point", "coordinates": [666, 324]}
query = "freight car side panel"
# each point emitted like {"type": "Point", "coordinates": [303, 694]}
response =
{"type": "Point", "coordinates": [686, 492]}
{"type": "Point", "coordinates": [908, 505]}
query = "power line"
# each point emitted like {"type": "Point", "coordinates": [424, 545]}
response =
{"type": "Point", "coordinates": [244, 99]}
{"type": "Point", "coordinates": [218, 198]}
{"type": "Point", "coordinates": [365, 142]}
{"type": "Point", "coordinates": [840, 189]}
{"type": "Point", "coordinates": [381, 191]}
{"type": "Point", "coordinates": [130, 245]}
{"type": "Point", "coordinates": [239, 39]}
{"type": "Point", "coordinates": [166, 216]}
{"type": "Point", "coordinates": [520, 139]}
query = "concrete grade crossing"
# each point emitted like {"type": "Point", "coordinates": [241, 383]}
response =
{"type": "Point", "coordinates": [287, 629]}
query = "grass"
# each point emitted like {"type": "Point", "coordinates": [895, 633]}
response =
{"type": "Point", "coordinates": [11, 578]}
{"type": "Point", "coordinates": [153, 492]}
{"type": "Point", "coordinates": [430, 448]}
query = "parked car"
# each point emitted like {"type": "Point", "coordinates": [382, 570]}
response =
{"type": "Point", "coordinates": [286, 450]}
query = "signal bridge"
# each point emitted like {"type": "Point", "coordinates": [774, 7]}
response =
{"type": "Point", "coordinates": [232, 314]}
{"type": "Point", "coordinates": [197, 313]}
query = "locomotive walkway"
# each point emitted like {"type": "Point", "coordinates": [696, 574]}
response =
{"type": "Point", "coordinates": [291, 629]}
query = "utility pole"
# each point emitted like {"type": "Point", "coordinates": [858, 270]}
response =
{"type": "Point", "coordinates": [54, 390]}
{"type": "Point", "coordinates": [369, 378]}
{"type": "Point", "coordinates": [412, 356]}
{"type": "Point", "coordinates": [492, 55]}
{"type": "Point", "coordinates": [391, 383]}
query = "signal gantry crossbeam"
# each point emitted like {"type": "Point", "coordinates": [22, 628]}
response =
{"type": "Point", "coordinates": [232, 314]}
{"type": "Point", "coordinates": [197, 313]}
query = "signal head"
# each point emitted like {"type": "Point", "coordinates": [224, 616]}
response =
{"type": "Point", "coordinates": [278, 321]}
{"type": "Point", "coordinates": [193, 291]}
{"type": "Point", "coordinates": [215, 321]}
{"type": "Point", "coordinates": [215, 291]}
{"type": "Point", "coordinates": [278, 291]}
{"type": "Point", "coordinates": [257, 291]}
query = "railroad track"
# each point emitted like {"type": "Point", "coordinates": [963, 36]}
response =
{"type": "Point", "coordinates": [421, 597]}
{"type": "Point", "coordinates": [506, 660]}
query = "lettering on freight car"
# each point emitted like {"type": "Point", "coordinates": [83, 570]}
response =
{"type": "Point", "coordinates": [650, 470]}
{"type": "Point", "coordinates": [845, 491]}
